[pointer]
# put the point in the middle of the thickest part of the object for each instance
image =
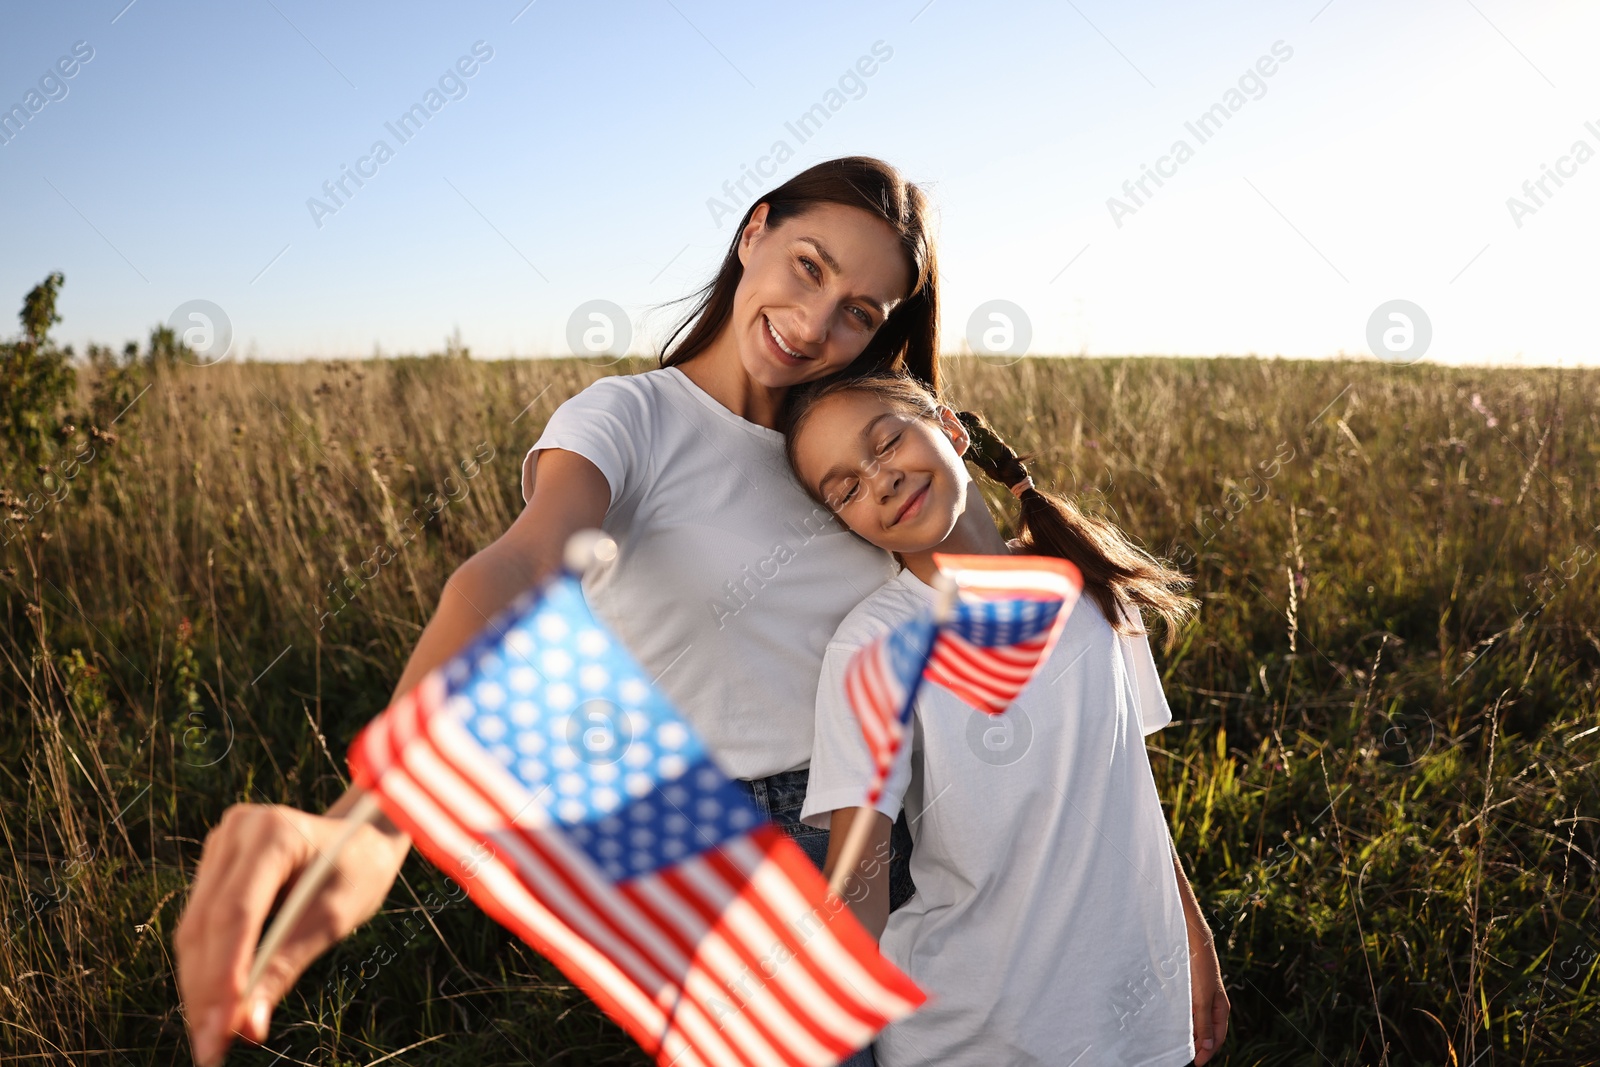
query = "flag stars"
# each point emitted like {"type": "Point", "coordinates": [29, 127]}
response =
{"type": "Point", "coordinates": [571, 810]}
{"type": "Point", "coordinates": [560, 696]}
{"type": "Point", "coordinates": [490, 695]}
{"type": "Point", "coordinates": [594, 677]}
{"type": "Point", "coordinates": [523, 679]}
{"type": "Point", "coordinates": [592, 642]}
{"type": "Point", "coordinates": [525, 713]}
{"type": "Point", "coordinates": [556, 662]}
{"type": "Point", "coordinates": [553, 627]}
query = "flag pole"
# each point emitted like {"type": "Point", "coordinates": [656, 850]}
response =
{"type": "Point", "coordinates": [855, 842]}
{"type": "Point", "coordinates": [582, 550]}
{"type": "Point", "coordinates": [360, 813]}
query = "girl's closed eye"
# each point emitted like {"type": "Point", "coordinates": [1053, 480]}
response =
{"type": "Point", "coordinates": [847, 494]}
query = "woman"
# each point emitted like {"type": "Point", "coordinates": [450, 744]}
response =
{"type": "Point", "coordinates": [730, 606]}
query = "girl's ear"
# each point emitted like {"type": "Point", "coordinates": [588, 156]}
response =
{"type": "Point", "coordinates": [954, 429]}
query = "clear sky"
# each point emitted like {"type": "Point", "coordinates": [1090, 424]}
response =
{"type": "Point", "coordinates": [579, 160]}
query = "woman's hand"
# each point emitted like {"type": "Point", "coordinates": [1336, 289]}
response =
{"type": "Point", "coordinates": [257, 852]}
{"type": "Point", "coordinates": [252, 857]}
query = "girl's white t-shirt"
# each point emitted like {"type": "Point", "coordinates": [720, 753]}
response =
{"type": "Point", "coordinates": [729, 579]}
{"type": "Point", "coordinates": [1047, 926]}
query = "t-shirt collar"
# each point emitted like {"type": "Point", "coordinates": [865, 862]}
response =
{"type": "Point", "coordinates": [721, 410]}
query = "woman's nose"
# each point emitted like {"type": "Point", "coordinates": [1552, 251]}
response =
{"type": "Point", "coordinates": [812, 325]}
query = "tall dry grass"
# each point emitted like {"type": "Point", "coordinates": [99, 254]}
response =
{"type": "Point", "coordinates": [1381, 775]}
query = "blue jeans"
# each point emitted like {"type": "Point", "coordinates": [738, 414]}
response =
{"type": "Point", "coordinates": [780, 797]}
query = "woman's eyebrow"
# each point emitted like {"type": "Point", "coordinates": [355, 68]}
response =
{"type": "Point", "coordinates": [822, 253]}
{"type": "Point", "coordinates": [833, 265]}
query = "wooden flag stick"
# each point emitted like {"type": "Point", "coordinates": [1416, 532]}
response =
{"type": "Point", "coordinates": [855, 842]}
{"type": "Point", "coordinates": [362, 812]}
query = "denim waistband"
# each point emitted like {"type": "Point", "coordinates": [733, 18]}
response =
{"type": "Point", "coordinates": [781, 792]}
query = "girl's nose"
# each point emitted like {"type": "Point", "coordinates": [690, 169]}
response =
{"type": "Point", "coordinates": [886, 481]}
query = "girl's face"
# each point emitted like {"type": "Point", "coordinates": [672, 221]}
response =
{"type": "Point", "coordinates": [894, 477]}
{"type": "Point", "coordinates": [814, 291]}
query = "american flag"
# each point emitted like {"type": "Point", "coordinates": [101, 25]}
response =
{"type": "Point", "coordinates": [1008, 614]}
{"type": "Point", "coordinates": [881, 681]}
{"type": "Point", "coordinates": [541, 770]}
{"type": "Point", "coordinates": [1005, 624]}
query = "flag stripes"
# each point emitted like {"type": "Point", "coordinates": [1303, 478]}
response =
{"type": "Point", "coordinates": [735, 955]}
{"type": "Point", "coordinates": [1000, 631]}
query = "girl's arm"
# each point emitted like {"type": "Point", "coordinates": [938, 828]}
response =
{"type": "Point", "coordinates": [867, 890]}
{"type": "Point", "coordinates": [257, 851]}
{"type": "Point", "coordinates": [1208, 1001]}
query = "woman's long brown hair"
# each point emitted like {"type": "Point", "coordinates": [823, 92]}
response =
{"type": "Point", "coordinates": [909, 338]}
{"type": "Point", "coordinates": [1121, 577]}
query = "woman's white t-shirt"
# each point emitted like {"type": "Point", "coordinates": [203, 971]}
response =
{"type": "Point", "coordinates": [1047, 926]}
{"type": "Point", "coordinates": [729, 580]}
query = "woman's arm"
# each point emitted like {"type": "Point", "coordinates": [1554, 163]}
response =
{"type": "Point", "coordinates": [867, 890]}
{"type": "Point", "coordinates": [257, 851]}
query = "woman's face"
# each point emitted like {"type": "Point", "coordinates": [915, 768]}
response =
{"type": "Point", "coordinates": [814, 291]}
{"type": "Point", "coordinates": [893, 477]}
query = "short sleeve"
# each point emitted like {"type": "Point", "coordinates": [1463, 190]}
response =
{"type": "Point", "coordinates": [841, 766]}
{"type": "Point", "coordinates": [1154, 712]}
{"type": "Point", "coordinates": [609, 424]}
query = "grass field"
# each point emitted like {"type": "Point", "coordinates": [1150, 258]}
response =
{"type": "Point", "coordinates": [1382, 776]}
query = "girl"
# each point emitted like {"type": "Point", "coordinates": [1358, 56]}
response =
{"type": "Point", "coordinates": [1052, 921]}
{"type": "Point", "coordinates": [729, 579]}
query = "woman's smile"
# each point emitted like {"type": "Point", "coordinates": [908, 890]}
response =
{"type": "Point", "coordinates": [781, 350]}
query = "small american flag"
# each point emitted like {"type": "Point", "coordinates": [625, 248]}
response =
{"type": "Point", "coordinates": [1004, 626]}
{"type": "Point", "coordinates": [541, 770]}
{"type": "Point", "coordinates": [1009, 612]}
{"type": "Point", "coordinates": [881, 682]}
